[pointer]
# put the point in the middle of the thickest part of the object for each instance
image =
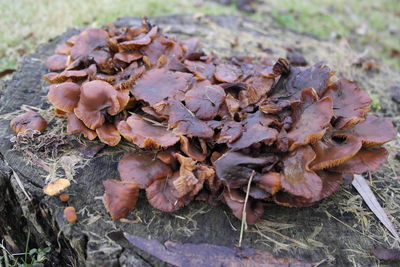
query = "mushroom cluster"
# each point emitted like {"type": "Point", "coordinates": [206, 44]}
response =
{"type": "Point", "coordinates": [212, 129]}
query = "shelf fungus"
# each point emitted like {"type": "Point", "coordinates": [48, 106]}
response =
{"type": "Point", "coordinates": [210, 129]}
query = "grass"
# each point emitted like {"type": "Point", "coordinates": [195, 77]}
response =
{"type": "Point", "coordinates": [367, 25]}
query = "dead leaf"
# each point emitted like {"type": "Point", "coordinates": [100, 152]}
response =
{"type": "Point", "coordinates": [366, 193]}
{"type": "Point", "coordinates": [56, 187]}
{"type": "Point", "coordinates": [209, 255]}
{"type": "Point", "coordinates": [386, 254]}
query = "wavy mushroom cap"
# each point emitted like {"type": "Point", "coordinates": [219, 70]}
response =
{"type": "Point", "coordinates": [64, 96]}
{"type": "Point", "coordinates": [145, 134]}
{"type": "Point", "coordinates": [142, 169]}
{"type": "Point", "coordinates": [97, 98]}
{"type": "Point", "coordinates": [75, 125]}
{"type": "Point", "coordinates": [120, 197]}
{"type": "Point", "coordinates": [310, 119]}
{"type": "Point", "coordinates": [108, 134]}
{"type": "Point", "coordinates": [88, 41]}
{"type": "Point", "coordinates": [350, 103]}
{"type": "Point", "coordinates": [56, 62]}
{"type": "Point", "coordinates": [29, 120]}
{"type": "Point", "coordinates": [235, 201]}
{"type": "Point", "coordinates": [297, 178]}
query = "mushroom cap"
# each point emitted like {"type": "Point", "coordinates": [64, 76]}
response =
{"type": "Point", "coordinates": [185, 182]}
{"type": "Point", "coordinates": [235, 168]}
{"type": "Point", "coordinates": [75, 125]}
{"type": "Point", "coordinates": [160, 196]}
{"type": "Point", "coordinates": [66, 75]}
{"type": "Point", "coordinates": [230, 132]}
{"type": "Point", "coordinates": [373, 131]}
{"type": "Point", "coordinates": [56, 187]}
{"type": "Point", "coordinates": [29, 120]}
{"type": "Point", "coordinates": [120, 197]}
{"type": "Point", "coordinates": [227, 73]}
{"type": "Point", "coordinates": [64, 96]}
{"type": "Point", "coordinates": [310, 119]}
{"type": "Point", "coordinates": [184, 122]}
{"type": "Point", "coordinates": [140, 40]}
{"type": "Point", "coordinates": [144, 134]}
{"type": "Point", "coordinates": [56, 62]}
{"type": "Point", "coordinates": [350, 103]}
{"type": "Point", "coordinates": [366, 160]}
{"type": "Point", "coordinates": [70, 214]}
{"type": "Point", "coordinates": [297, 178]}
{"type": "Point", "coordinates": [157, 85]}
{"type": "Point", "coordinates": [256, 129]}
{"type": "Point", "coordinates": [235, 201]}
{"type": "Point", "coordinates": [204, 101]}
{"type": "Point", "coordinates": [193, 149]}
{"type": "Point", "coordinates": [331, 152]}
{"type": "Point", "coordinates": [88, 41]}
{"type": "Point", "coordinates": [258, 86]}
{"type": "Point", "coordinates": [97, 97]}
{"type": "Point", "coordinates": [142, 169]}
{"type": "Point", "coordinates": [202, 70]}
{"type": "Point", "coordinates": [270, 182]}
{"type": "Point", "coordinates": [108, 134]}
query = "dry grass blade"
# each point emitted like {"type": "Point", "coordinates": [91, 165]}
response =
{"type": "Point", "coordinates": [244, 216]}
{"type": "Point", "coordinates": [366, 193]}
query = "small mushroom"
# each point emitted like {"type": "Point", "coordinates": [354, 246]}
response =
{"type": "Point", "coordinates": [108, 134]}
{"type": "Point", "coordinates": [75, 125]}
{"type": "Point", "coordinates": [29, 120]}
{"type": "Point", "coordinates": [56, 62]}
{"type": "Point", "coordinates": [64, 96]}
{"type": "Point", "coordinates": [56, 187]}
{"type": "Point", "coordinates": [235, 201]}
{"type": "Point", "coordinates": [70, 214]}
{"type": "Point", "coordinates": [270, 182]}
{"type": "Point", "coordinates": [120, 197]}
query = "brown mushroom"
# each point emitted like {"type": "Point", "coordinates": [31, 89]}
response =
{"type": "Point", "coordinates": [70, 214]}
{"type": "Point", "coordinates": [56, 62]}
{"type": "Point", "coordinates": [184, 122]}
{"type": "Point", "coordinates": [75, 125]}
{"type": "Point", "coordinates": [145, 134]}
{"type": "Point", "coordinates": [366, 160]}
{"type": "Point", "coordinates": [333, 151]}
{"type": "Point", "coordinates": [373, 131]}
{"type": "Point", "coordinates": [227, 73]}
{"type": "Point", "coordinates": [310, 119]}
{"type": "Point", "coordinates": [157, 85]}
{"type": "Point", "coordinates": [108, 134]}
{"type": "Point", "coordinates": [160, 195]}
{"type": "Point", "coordinates": [120, 197]}
{"type": "Point", "coordinates": [64, 96]}
{"type": "Point", "coordinates": [142, 169]}
{"type": "Point", "coordinates": [97, 98]}
{"type": "Point", "coordinates": [270, 182]}
{"type": "Point", "coordinates": [350, 103]}
{"type": "Point", "coordinates": [235, 201]}
{"type": "Point", "coordinates": [204, 101]}
{"type": "Point", "coordinates": [29, 120]}
{"type": "Point", "coordinates": [297, 178]}
{"type": "Point", "coordinates": [88, 41]}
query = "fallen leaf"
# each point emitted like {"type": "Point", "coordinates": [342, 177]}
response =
{"type": "Point", "coordinates": [386, 254]}
{"type": "Point", "coordinates": [209, 255]}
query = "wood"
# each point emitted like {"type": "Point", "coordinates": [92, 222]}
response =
{"type": "Point", "coordinates": [95, 240]}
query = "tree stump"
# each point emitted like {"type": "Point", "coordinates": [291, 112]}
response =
{"type": "Point", "coordinates": [326, 232]}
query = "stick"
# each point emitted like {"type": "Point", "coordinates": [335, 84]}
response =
{"type": "Point", "coordinates": [244, 224]}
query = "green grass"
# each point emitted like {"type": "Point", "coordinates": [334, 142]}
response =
{"type": "Point", "coordinates": [369, 24]}
{"type": "Point", "coordinates": [372, 25]}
